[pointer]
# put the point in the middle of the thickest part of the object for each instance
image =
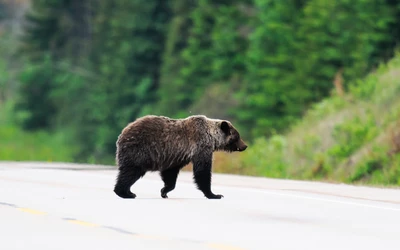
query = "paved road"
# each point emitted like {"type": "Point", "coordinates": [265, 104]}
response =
{"type": "Point", "coordinates": [62, 206]}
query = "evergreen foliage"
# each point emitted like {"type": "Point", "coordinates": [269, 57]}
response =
{"type": "Point", "coordinates": [90, 67]}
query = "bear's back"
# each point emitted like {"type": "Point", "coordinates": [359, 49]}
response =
{"type": "Point", "coordinates": [146, 129]}
{"type": "Point", "coordinates": [163, 139]}
{"type": "Point", "coordinates": [152, 127]}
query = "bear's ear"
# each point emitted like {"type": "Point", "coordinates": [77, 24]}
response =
{"type": "Point", "coordinates": [225, 127]}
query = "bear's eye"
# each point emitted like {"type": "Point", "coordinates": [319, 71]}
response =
{"type": "Point", "coordinates": [233, 139]}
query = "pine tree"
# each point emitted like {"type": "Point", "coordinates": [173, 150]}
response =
{"type": "Point", "coordinates": [384, 50]}
{"type": "Point", "coordinates": [210, 50]}
{"type": "Point", "coordinates": [176, 41]}
{"type": "Point", "coordinates": [270, 95]}
{"type": "Point", "coordinates": [336, 35]}
{"type": "Point", "coordinates": [57, 31]}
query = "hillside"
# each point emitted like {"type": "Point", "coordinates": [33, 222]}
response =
{"type": "Point", "coordinates": [354, 138]}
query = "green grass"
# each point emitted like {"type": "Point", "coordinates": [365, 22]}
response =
{"type": "Point", "coordinates": [18, 145]}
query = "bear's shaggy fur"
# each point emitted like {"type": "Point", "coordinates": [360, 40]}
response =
{"type": "Point", "coordinates": [159, 143]}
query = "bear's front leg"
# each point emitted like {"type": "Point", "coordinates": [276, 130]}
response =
{"type": "Point", "coordinates": [202, 167]}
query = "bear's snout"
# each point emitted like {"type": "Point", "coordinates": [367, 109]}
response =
{"type": "Point", "coordinates": [241, 146]}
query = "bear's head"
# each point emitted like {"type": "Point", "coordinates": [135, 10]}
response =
{"type": "Point", "coordinates": [231, 138]}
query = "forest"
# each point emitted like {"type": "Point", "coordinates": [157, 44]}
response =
{"type": "Point", "coordinates": [310, 84]}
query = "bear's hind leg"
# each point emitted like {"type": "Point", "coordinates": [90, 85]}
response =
{"type": "Point", "coordinates": [126, 178]}
{"type": "Point", "coordinates": [169, 177]}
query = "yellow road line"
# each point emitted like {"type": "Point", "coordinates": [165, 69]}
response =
{"type": "Point", "coordinates": [141, 236]}
{"type": "Point", "coordinates": [31, 211]}
{"type": "Point", "coordinates": [223, 247]}
{"type": "Point", "coordinates": [83, 223]}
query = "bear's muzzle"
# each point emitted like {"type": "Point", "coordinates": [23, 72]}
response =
{"type": "Point", "coordinates": [241, 146]}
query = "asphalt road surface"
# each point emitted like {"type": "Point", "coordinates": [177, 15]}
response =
{"type": "Point", "coordinates": [64, 206]}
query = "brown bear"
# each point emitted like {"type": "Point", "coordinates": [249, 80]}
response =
{"type": "Point", "coordinates": [159, 143]}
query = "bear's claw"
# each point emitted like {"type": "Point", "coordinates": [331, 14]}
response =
{"type": "Point", "coordinates": [163, 193]}
{"type": "Point", "coordinates": [215, 196]}
{"type": "Point", "coordinates": [124, 194]}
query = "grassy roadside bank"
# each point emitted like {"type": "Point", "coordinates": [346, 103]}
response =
{"type": "Point", "coordinates": [351, 139]}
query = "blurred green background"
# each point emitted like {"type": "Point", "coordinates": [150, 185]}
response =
{"type": "Point", "coordinates": [312, 85]}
